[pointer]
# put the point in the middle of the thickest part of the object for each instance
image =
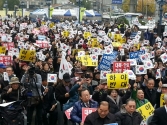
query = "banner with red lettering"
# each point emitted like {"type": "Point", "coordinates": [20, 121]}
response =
{"type": "Point", "coordinates": [120, 67]}
{"type": "Point", "coordinates": [86, 112]}
{"type": "Point", "coordinates": [9, 45]}
{"type": "Point", "coordinates": [42, 44]}
{"type": "Point", "coordinates": [5, 60]}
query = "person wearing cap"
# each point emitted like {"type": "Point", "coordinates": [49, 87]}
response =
{"type": "Point", "coordinates": [2, 69]}
{"type": "Point", "coordinates": [77, 74]}
{"type": "Point", "coordinates": [90, 84]}
{"type": "Point", "coordinates": [14, 91]}
{"type": "Point", "coordinates": [160, 114]}
{"type": "Point", "coordinates": [74, 96]}
{"type": "Point", "coordinates": [100, 93]}
{"type": "Point", "coordinates": [62, 92]}
{"type": "Point", "coordinates": [49, 103]}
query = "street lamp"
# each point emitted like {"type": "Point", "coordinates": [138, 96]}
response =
{"type": "Point", "coordinates": [5, 5]}
{"type": "Point", "coordinates": [48, 2]}
{"type": "Point", "coordinates": [79, 4]}
{"type": "Point", "coordinates": [22, 5]}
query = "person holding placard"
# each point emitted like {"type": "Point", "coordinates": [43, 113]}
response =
{"type": "Point", "coordinates": [100, 94]}
{"type": "Point", "coordinates": [101, 116]}
{"type": "Point", "coordinates": [85, 101]}
{"type": "Point", "coordinates": [139, 98]}
{"type": "Point", "coordinates": [128, 115]}
{"type": "Point", "coordinates": [160, 114]}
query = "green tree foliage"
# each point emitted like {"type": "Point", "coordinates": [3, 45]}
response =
{"type": "Point", "coordinates": [84, 3]}
{"type": "Point", "coordinates": [125, 5]}
{"type": "Point", "coordinates": [11, 4]}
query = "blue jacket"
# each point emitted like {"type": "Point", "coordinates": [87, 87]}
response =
{"type": "Point", "coordinates": [74, 97]}
{"type": "Point", "coordinates": [76, 113]}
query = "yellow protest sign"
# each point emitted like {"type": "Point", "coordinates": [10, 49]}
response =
{"type": "Point", "coordinates": [94, 42]}
{"type": "Point", "coordinates": [2, 50]}
{"type": "Point", "coordinates": [110, 35]}
{"type": "Point", "coordinates": [162, 101]}
{"type": "Point", "coordinates": [65, 33]}
{"type": "Point", "coordinates": [75, 51]}
{"type": "Point", "coordinates": [123, 40]}
{"type": "Point", "coordinates": [116, 44]}
{"type": "Point", "coordinates": [43, 22]}
{"type": "Point", "coordinates": [51, 25]}
{"type": "Point", "coordinates": [87, 61]}
{"type": "Point", "coordinates": [78, 58]}
{"type": "Point", "coordinates": [86, 35]}
{"type": "Point", "coordinates": [27, 55]}
{"type": "Point", "coordinates": [146, 110]}
{"type": "Point", "coordinates": [117, 80]}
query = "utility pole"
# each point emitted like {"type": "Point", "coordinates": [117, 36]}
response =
{"type": "Point", "coordinates": [132, 6]}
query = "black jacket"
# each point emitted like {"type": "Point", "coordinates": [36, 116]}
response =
{"type": "Point", "coordinates": [48, 99]}
{"type": "Point", "coordinates": [13, 96]}
{"type": "Point", "coordinates": [94, 119]}
{"type": "Point", "coordinates": [115, 106]}
{"type": "Point", "coordinates": [159, 117]}
{"type": "Point", "coordinates": [151, 96]}
{"type": "Point", "coordinates": [99, 96]}
{"type": "Point", "coordinates": [60, 92]}
{"type": "Point", "coordinates": [123, 118]}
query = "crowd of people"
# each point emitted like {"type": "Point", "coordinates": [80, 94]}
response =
{"type": "Point", "coordinates": [79, 85]}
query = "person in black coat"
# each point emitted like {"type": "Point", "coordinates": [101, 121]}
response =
{"type": "Point", "coordinates": [62, 92]}
{"type": "Point", "coordinates": [101, 116]}
{"type": "Point", "coordinates": [150, 92]}
{"type": "Point", "coordinates": [160, 115]}
{"type": "Point", "coordinates": [128, 115]}
{"type": "Point", "coordinates": [115, 100]}
{"type": "Point", "coordinates": [49, 103]}
{"type": "Point", "coordinates": [100, 94]}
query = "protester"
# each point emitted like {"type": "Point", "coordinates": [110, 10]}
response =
{"type": "Point", "coordinates": [85, 101]}
{"type": "Point", "coordinates": [66, 52]}
{"type": "Point", "coordinates": [14, 91]}
{"type": "Point", "coordinates": [128, 114]}
{"type": "Point", "coordinates": [159, 116]}
{"type": "Point", "coordinates": [101, 116]}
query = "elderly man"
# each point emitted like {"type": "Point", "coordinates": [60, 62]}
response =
{"type": "Point", "coordinates": [14, 91]}
{"type": "Point", "coordinates": [128, 114]}
{"type": "Point", "coordinates": [76, 113]}
{"type": "Point", "coordinates": [101, 116]}
{"type": "Point", "coordinates": [160, 114]}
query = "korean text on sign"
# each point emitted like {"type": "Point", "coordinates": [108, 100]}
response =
{"type": "Point", "coordinates": [119, 67]}
{"type": "Point", "coordinates": [27, 55]}
{"type": "Point", "coordinates": [2, 50]}
{"type": "Point", "coordinates": [86, 112]}
{"type": "Point", "coordinates": [146, 110]}
{"type": "Point", "coordinates": [162, 101]}
{"type": "Point", "coordinates": [117, 80]}
{"type": "Point", "coordinates": [87, 61]}
{"type": "Point", "coordinates": [5, 60]}
{"type": "Point", "coordinates": [8, 46]}
{"type": "Point", "coordinates": [42, 44]}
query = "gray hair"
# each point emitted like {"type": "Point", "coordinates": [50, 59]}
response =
{"type": "Point", "coordinates": [165, 98]}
